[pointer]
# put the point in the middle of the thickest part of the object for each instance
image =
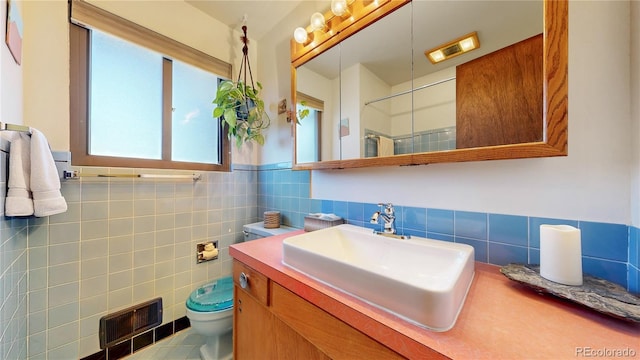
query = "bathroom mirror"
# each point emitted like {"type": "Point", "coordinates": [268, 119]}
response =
{"type": "Point", "coordinates": [359, 79]}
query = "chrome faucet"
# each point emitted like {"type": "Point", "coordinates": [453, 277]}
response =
{"type": "Point", "coordinates": [388, 215]}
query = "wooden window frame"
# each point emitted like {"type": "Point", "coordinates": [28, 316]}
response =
{"type": "Point", "coordinates": [317, 105]}
{"type": "Point", "coordinates": [83, 17]}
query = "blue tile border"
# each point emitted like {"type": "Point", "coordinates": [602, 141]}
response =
{"type": "Point", "coordinates": [440, 221]}
{"type": "Point", "coordinates": [605, 241]}
{"type": "Point", "coordinates": [509, 229]}
{"type": "Point", "coordinates": [610, 251]}
{"type": "Point", "coordinates": [472, 225]}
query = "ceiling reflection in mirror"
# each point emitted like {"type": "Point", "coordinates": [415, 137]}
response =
{"type": "Point", "coordinates": [383, 97]}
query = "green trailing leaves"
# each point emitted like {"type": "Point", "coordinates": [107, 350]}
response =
{"type": "Point", "coordinates": [242, 111]}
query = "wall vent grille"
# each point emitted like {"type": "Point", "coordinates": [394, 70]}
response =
{"type": "Point", "coordinates": [126, 323]}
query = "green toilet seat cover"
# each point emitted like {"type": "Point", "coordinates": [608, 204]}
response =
{"type": "Point", "coordinates": [214, 296]}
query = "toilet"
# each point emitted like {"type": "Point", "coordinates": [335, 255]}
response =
{"type": "Point", "coordinates": [210, 312]}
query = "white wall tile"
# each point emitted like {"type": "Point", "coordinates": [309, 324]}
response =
{"type": "Point", "coordinates": [94, 229]}
{"type": "Point", "coordinates": [93, 306]}
{"type": "Point", "coordinates": [164, 269]}
{"type": "Point", "coordinates": [63, 294]}
{"type": "Point", "coordinates": [142, 241]}
{"type": "Point", "coordinates": [94, 210]}
{"type": "Point", "coordinates": [65, 273]}
{"type": "Point", "coordinates": [120, 262]}
{"type": "Point", "coordinates": [37, 279]}
{"type": "Point", "coordinates": [62, 335]}
{"type": "Point", "coordinates": [144, 292]}
{"type": "Point", "coordinates": [119, 244]}
{"type": "Point", "coordinates": [90, 249]}
{"type": "Point", "coordinates": [37, 321]}
{"type": "Point", "coordinates": [93, 286]}
{"type": "Point", "coordinates": [120, 280]}
{"type": "Point", "coordinates": [37, 344]}
{"type": "Point", "coordinates": [144, 258]}
{"type": "Point", "coordinates": [63, 314]}
{"type": "Point", "coordinates": [93, 267]}
{"type": "Point", "coordinates": [67, 351]}
{"type": "Point", "coordinates": [65, 253]}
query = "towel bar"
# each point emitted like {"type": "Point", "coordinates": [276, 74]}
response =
{"type": "Point", "coordinates": [67, 175]}
{"type": "Point", "coordinates": [12, 127]}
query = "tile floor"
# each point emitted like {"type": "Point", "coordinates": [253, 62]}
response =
{"type": "Point", "coordinates": [184, 345]}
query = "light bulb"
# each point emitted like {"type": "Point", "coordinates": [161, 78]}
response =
{"type": "Point", "coordinates": [437, 55]}
{"type": "Point", "coordinates": [467, 44]}
{"type": "Point", "coordinates": [338, 7]}
{"type": "Point", "coordinates": [300, 35]}
{"type": "Point", "coordinates": [317, 21]}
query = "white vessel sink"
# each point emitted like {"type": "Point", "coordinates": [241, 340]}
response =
{"type": "Point", "coordinates": [421, 280]}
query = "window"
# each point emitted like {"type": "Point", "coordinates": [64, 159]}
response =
{"type": "Point", "coordinates": [308, 132]}
{"type": "Point", "coordinates": [139, 99]}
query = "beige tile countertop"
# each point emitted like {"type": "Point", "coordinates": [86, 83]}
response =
{"type": "Point", "coordinates": [501, 319]}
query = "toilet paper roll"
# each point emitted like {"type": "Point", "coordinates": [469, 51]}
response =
{"type": "Point", "coordinates": [561, 254]}
{"type": "Point", "coordinates": [208, 255]}
{"type": "Point", "coordinates": [209, 247]}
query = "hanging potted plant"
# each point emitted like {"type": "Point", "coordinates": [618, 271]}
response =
{"type": "Point", "coordinates": [238, 103]}
{"type": "Point", "coordinates": [242, 110]}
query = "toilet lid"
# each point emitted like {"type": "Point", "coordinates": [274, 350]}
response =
{"type": "Point", "coordinates": [214, 296]}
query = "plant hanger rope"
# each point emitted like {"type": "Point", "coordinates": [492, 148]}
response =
{"type": "Point", "coordinates": [244, 64]}
{"type": "Point", "coordinates": [239, 105]}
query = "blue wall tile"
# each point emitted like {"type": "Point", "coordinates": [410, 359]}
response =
{"type": "Point", "coordinates": [399, 210]}
{"type": "Point", "coordinates": [471, 225]}
{"type": "Point", "coordinates": [605, 241]}
{"type": "Point", "coordinates": [609, 270]}
{"type": "Point", "coordinates": [304, 205]}
{"type": "Point", "coordinates": [440, 221]}
{"type": "Point", "coordinates": [327, 207]}
{"type": "Point", "coordinates": [355, 212]}
{"type": "Point", "coordinates": [411, 232]}
{"type": "Point", "coordinates": [479, 248]}
{"type": "Point", "coordinates": [634, 246]}
{"type": "Point", "coordinates": [304, 190]}
{"type": "Point", "coordinates": [534, 256]}
{"type": "Point", "coordinates": [341, 209]}
{"type": "Point", "coordinates": [369, 209]}
{"type": "Point", "coordinates": [415, 218]}
{"type": "Point", "coordinates": [633, 279]}
{"type": "Point", "coordinates": [443, 237]}
{"type": "Point", "coordinates": [503, 254]}
{"type": "Point", "coordinates": [315, 206]}
{"type": "Point", "coordinates": [508, 229]}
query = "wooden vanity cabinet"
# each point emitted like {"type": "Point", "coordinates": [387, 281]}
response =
{"type": "Point", "coordinates": [271, 322]}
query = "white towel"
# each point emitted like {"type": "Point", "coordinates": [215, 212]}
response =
{"type": "Point", "coordinates": [34, 184]}
{"type": "Point", "coordinates": [19, 202]}
{"type": "Point", "coordinates": [45, 181]}
{"type": "Point", "coordinates": [385, 146]}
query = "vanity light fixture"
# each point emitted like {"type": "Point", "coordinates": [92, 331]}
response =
{"type": "Point", "coordinates": [339, 7]}
{"type": "Point", "coordinates": [453, 48]}
{"type": "Point", "coordinates": [300, 35]}
{"type": "Point", "coordinates": [317, 21]}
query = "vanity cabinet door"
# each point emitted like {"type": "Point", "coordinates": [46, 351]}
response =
{"type": "Point", "coordinates": [258, 334]}
{"type": "Point", "coordinates": [325, 332]}
{"type": "Point", "coordinates": [253, 328]}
